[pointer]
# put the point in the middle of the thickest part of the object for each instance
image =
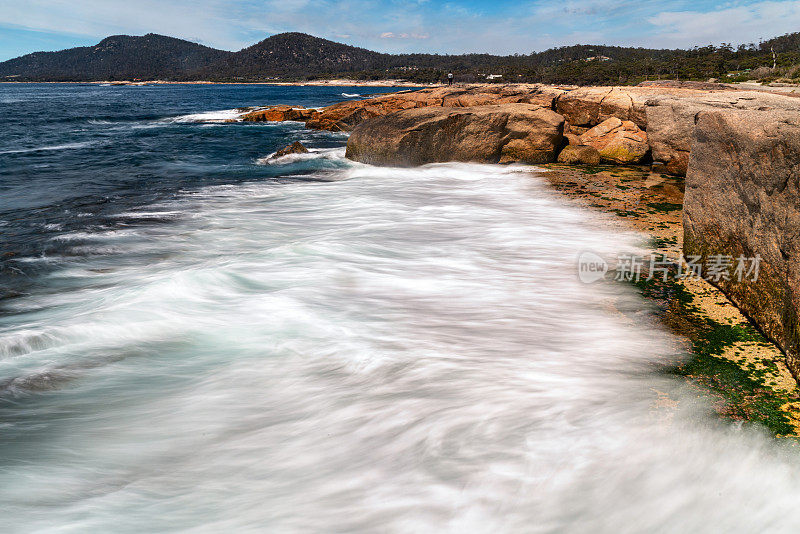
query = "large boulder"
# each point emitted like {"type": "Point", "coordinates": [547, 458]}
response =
{"type": "Point", "coordinates": [540, 95]}
{"type": "Point", "coordinates": [344, 116]}
{"type": "Point", "coordinates": [617, 141]}
{"type": "Point", "coordinates": [670, 133]}
{"type": "Point", "coordinates": [589, 106]}
{"type": "Point", "coordinates": [671, 119]}
{"type": "Point", "coordinates": [743, 199]}
{"type": "Point", "coordinates": [490, 134]}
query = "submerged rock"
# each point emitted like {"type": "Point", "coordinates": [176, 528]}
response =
{"type": "Point", "coordinates": [579, 155]}
{"type": "Point", "coordinates": [295, 148]}
{"type": "Point", "coordinates": [490, 134]}
{"type": "Point", "coordinates": [617, 141]}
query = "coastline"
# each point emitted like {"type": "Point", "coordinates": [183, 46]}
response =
{"type": "Point", "coordinates": [739, 144]}
{"type": "Point", "coordinates": [339, 82]}
{"type": "Point", "coordinates": [287, 329]}
{"type": "Point", "coordinates": [744, 374]}
{"type": "Point", "coordinates": [732, 361]}
{"type": "Point", "coordinates": [784, 88]}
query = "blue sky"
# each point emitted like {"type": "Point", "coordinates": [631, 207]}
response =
{"type": "Point", "coordinates": [496, 26]}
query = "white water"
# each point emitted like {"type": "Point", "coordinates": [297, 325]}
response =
{"type": "Point", "coordinates": [65, 146]}
{"type": "Point", "coordinates": [217, 116]}
{"type": "Point", "coordinates": [391, 351]}
{"type": "Point", "coordinates": [312, 154]}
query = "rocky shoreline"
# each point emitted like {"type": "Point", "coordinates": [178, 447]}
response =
{"type": "Point", "coordinates": [739, 152]}
{"type": "Point", "coordinates": [744, 374]}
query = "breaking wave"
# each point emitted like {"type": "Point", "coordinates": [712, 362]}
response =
{"type": "Point", "coordinates": [312, 154]}
{"type": "Point", "coordinates": [219, 116]}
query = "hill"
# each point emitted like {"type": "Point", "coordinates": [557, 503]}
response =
{"type": "Point", "coordinates": [298, 56]}
{"type": "Point", "coordinates": [294, 54]}
{"type": "Point", "coordinates": [119, 57]}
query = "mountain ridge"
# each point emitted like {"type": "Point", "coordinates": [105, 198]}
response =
{"type": "Point", "coordinates": [115, 57]}
{"type": "Point", "coordinates": [293, 56]}
{"type": "Point", "coordinates": [291, 52]}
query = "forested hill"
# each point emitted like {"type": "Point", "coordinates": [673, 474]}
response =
{"type": "Point", "coordinates": [119, 57]}
{"type": "Point", "coordinates": [297, 56]}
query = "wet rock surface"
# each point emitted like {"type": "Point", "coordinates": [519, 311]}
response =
{"type": "Point", "coordinates": [295, 148]}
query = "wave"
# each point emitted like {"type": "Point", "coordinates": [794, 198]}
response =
{"type": "Point", "coordinates": [66, 146]}
{"type": "Point", "coordinates": [205, 118]}
{"type": "Point", "coordinates": [162, 215]}
{"type": "Point", "coordinates": [403, 350]}
{"type": "Point", "coordinates": [218, 116]}
{"type": "Point", "coordinates": [312, 154]}
{"type": "Point", "coordinates": [92, 236]}
{"type": "Point", "coordinates": [350, 95]}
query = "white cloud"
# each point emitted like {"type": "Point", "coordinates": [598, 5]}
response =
{"type": "Point", "coordinates": [738, 24]}
{"type": "Point", "coordinates": [414, 25]}
{"type": "Point", "coordinates": [198, 20]}
{"type": "Point", "coordinates": [392, 35]}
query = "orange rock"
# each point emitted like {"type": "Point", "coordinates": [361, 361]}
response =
{"type": "Point", "coordinates": [345, 116]}
{"type": "Point", "coordinates": [278, 113]}
{"type": "Point", "coordinates": [617, 141]}
{"type": "Point", "coordinates": [579, 155]}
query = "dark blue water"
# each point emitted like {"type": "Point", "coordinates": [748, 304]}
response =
{"type": "Point", "coordinates": [71, 154]}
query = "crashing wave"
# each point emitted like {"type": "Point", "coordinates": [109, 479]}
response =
{"type": "Point", "coordinates": [218, 116]}
{"type": "Point", "coordinates": [313, 153]}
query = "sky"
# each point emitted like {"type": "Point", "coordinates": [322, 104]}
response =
{"type": "Point", "coordinates": [455, 26]}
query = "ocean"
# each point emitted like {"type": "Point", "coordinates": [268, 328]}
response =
{"type": "Point", "coordinates": [197, 338]}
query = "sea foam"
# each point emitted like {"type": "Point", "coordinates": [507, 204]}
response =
{"type": "Point", "coordinates": [404, 350]}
